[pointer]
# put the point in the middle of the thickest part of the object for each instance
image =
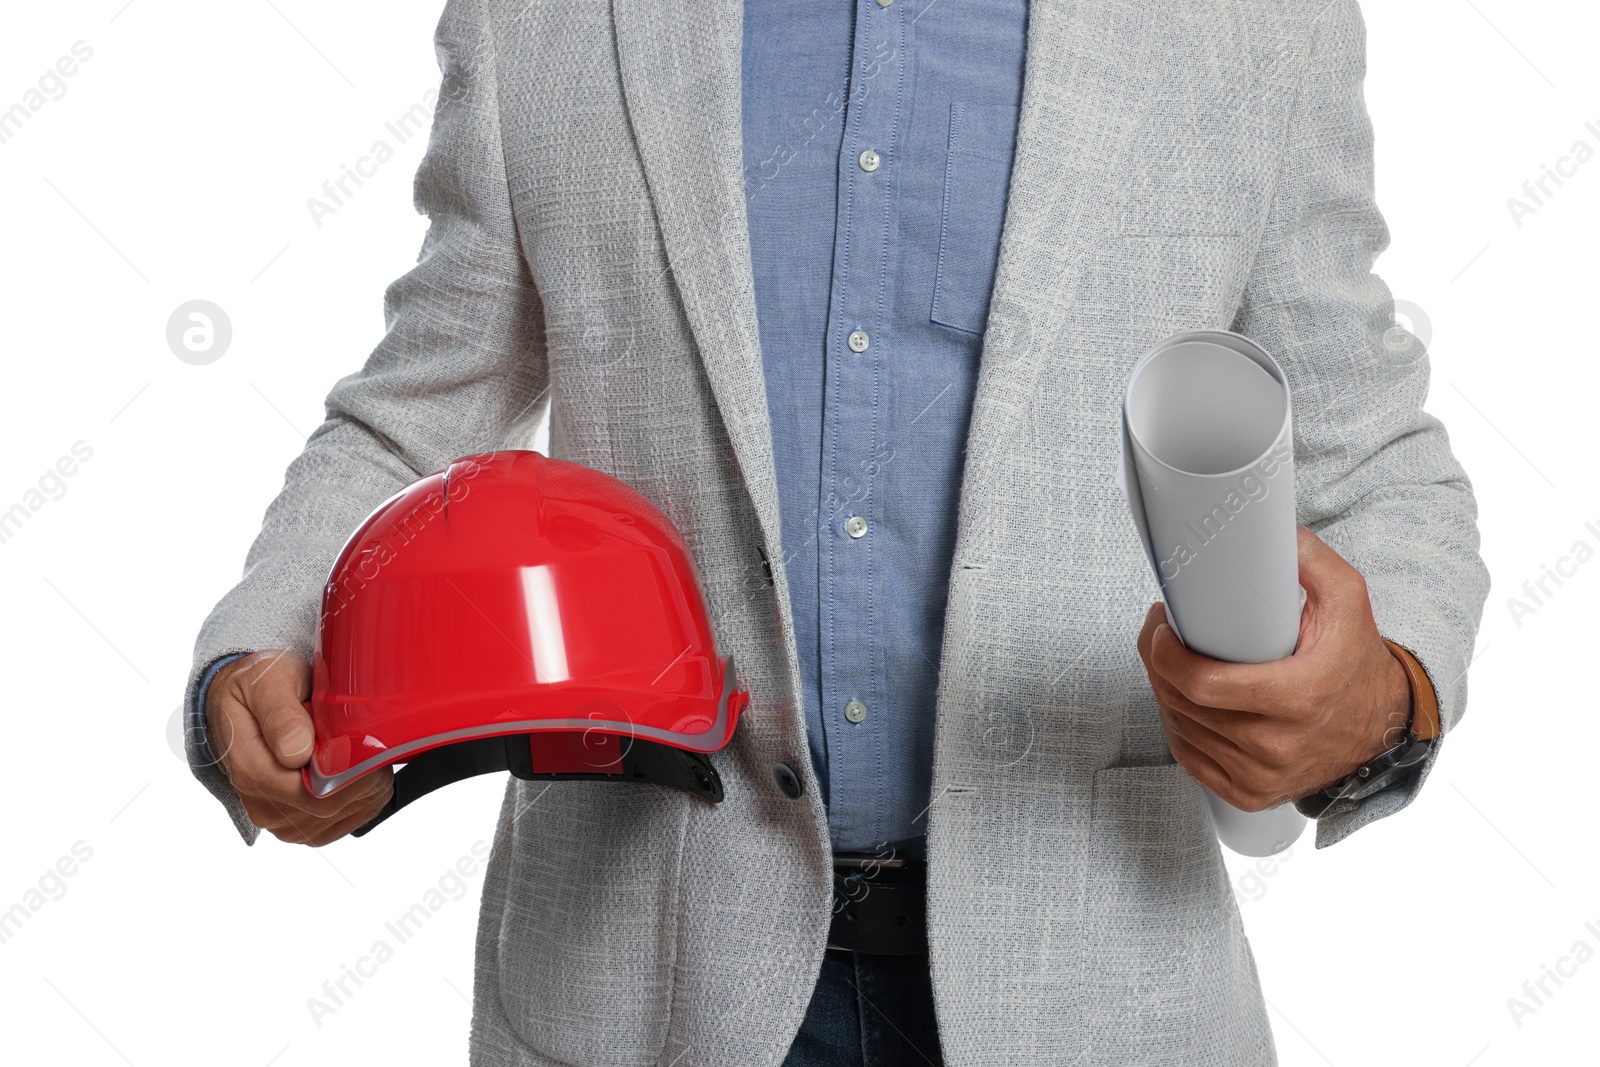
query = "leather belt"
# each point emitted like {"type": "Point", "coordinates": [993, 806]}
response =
{"type": "Point", "coordinates": [880, 905]}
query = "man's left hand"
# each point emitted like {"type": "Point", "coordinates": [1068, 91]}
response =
{"type": "Point", "coordinates": [1260, 734]}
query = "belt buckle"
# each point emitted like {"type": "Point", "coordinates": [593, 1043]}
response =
{"type": "Point", "coordinates": [866, 860]}
{"type": "Point", "coordinates": [860, 869]}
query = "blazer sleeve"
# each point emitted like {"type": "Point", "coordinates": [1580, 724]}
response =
{"type": "Point", "coordinates": [461, 367]}
{"type": "Point", "coordinates": [1375, 476]}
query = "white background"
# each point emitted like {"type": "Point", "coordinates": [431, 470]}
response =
{"type": "Point", "coordinates": [177, 166]}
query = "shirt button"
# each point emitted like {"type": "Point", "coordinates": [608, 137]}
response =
{"type": "Point", "coordinates": [858, 341]}
{"type": "Point", "coordinates": [789, 783]}
{"type": "Point", "coordinates": [856, 526]}
{"type": "Point", "coordinates": [855, 711]}
{"type": "Point", "coordinates": [869, 160]}
{"type": "Point", "coordinates": [885, 3]}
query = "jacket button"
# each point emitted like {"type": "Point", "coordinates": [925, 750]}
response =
{"type": "Point", "coordinates": [788, 781]}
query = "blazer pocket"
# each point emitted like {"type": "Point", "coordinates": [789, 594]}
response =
{"type": "Point", "coordinates": [977, 175]}
{"type": "Point", "coordinates": [587, 932]}
{"type": "Point", "coordinates": [1163, 940]}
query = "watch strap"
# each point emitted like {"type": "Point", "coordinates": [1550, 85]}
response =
{"type": "Point", "coordinates": [1425, 721]}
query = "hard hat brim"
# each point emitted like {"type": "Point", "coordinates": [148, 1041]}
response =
{"type": "Point", "coordinates": [713, 739]}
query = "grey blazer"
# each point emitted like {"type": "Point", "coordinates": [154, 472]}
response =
{"type": "Point", "coordinates": [1181, 165]}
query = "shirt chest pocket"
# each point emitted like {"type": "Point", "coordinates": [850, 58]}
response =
{"type": "Point", "coordinates": [977, 174]}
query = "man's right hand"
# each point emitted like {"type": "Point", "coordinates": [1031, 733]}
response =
{"type": "Point", "coordinates": [261, 732]}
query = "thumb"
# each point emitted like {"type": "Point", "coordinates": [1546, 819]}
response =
{"type": "Point", "coordinates": [1325, 575]}
{"type": "Point", "coordinates": [275, 697]}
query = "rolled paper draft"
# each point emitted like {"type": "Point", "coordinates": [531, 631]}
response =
{"type": "Point", "coordinates": [1208, 469]}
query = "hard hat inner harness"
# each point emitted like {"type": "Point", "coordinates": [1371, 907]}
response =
{"type": "Point", "coordinates": [558, 756]}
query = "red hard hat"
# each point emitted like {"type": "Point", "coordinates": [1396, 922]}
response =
{"type": "Point", "coordinates": [514, 612]}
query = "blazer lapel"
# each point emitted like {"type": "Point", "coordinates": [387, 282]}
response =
{"type": "Point", "coordinates": [1080, 110]}
{"type": "Point", "coordinates": [681, 76]}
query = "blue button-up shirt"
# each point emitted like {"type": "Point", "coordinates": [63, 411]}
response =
{"type": "Point", "coordinates": [877, 152]}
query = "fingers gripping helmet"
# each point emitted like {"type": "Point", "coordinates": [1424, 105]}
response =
{"type": "Point", "coordinates": [517, 613]}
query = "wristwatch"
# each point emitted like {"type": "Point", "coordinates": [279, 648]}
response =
{"type": "Point", "coordinates": [1395, 764]}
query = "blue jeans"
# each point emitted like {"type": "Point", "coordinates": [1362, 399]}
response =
{"type": "Point", "coordinates": [869, 1011]}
